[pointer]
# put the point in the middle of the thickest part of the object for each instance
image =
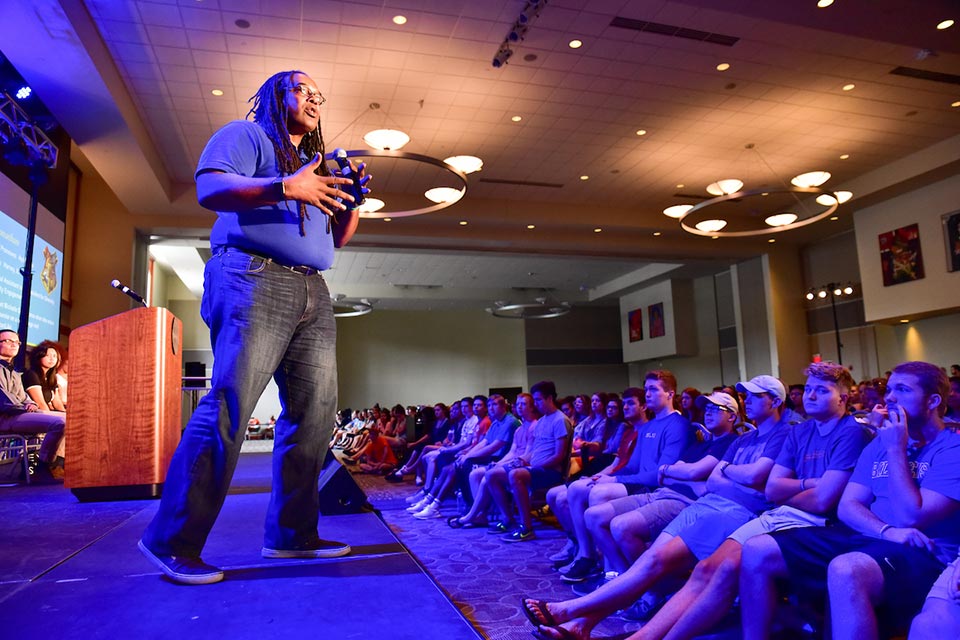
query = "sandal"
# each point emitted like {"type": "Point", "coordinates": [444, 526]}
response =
{"type": "Point", "coordinates": [454, 522]}
{"type": "Point", "coordinates": [537, 612]}
{"type": "Point", "coordinates": [556, 633]}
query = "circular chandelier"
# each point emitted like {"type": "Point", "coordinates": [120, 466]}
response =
{"type": "Point", "coordinates": [737, 212]}
{"type": "Point", "coordinates": [540, 309]}
{"type": "Point", "coordinates": [344, 307]}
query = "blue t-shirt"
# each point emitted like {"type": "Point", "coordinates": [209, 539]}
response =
{"type": "Point", "coordinates": [747, 449]}
{"type": "Point", "coordinates": [935, 467]}
{"type": "Point", "coordinates": [502, 430]}
{"type": "Point", "coordinates": [242, 148]}
{"type": "Point", "coordinates": [660, 441]}
{"type": "Point", "coordinates": [547, 431]}
{"type": "Point", "coordinates": [810, 453]}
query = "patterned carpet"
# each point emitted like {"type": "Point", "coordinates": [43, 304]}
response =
{"type": "Point", "coordinates": [485, 576]}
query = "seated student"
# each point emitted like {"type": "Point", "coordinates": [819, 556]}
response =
{"type": "Point", "coordinates": [738, 489]}
{"type": "Point", "coordinates": [590, 437]}
{"type": "Point", "coordinates": [940, 617]}
{"type": "Point", "coordinates": [567, 408]}
{"type": "Point", "coordinates": [899, 524]}
{"type": "Point", "coordinates": [481, 477]}
{"type": "Point", "coordinates": [40, 380]}
{"type": "Point", "coordinates": [19, 414]}
{"type": "Point", "coordinates": [437, 460]}
{"type": "Point", "coordinates": [953, 402]}
{"type": "Point", "coordinates": [625, 438]}
{"type": "Point", "coordinates": [793, 412]}
{"type": "Point", "coordinates": [434, 435]}
{"type": "Point", "coordinates": [377, 455]}
{"type": "Point", "coordinates": [493, 444]}
{"type": "Point", "coordinates": [551, 441]}
{"type": "Point", "coordinates": [688, 405]}
{"type": "Point", "coordinates": [660, 441]}
{"type": "Point", "coordinates": [623, 528]}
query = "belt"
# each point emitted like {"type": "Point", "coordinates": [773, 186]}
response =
{"type": "Point", "coordinates": [300, 268]}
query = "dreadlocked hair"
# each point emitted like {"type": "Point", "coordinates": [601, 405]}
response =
{"type": "Point", "coordinates": [270, 112]}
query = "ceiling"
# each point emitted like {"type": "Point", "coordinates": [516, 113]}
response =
{"type": "Point", "coordinates": [131, 82]}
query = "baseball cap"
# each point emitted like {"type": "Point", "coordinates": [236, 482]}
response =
{"type": "Point", "coordinates": [764, 384]}
{"type": "Point", "coordinates": [720, 399]}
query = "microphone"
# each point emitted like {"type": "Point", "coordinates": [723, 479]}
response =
{"type": "Point", "coordinates": [356, 189]}
{"type": "Point", "coordinates": [116, 284]}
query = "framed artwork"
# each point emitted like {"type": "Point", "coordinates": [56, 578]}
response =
{"type": "Point", "coordinates": [657, 326]}
{"type": "Point", "coordinates": [635, 322]}
{"type": "Point", "coordinates": [951, 236]}
{"type": "Point", "coordinates": [900, 257]}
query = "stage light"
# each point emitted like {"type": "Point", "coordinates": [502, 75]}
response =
{"type": "Point", "coordinates": [23, 93]}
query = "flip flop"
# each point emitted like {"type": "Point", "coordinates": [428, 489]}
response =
{"type": "Point", "coordinates": [559, 633]}
{"type": "Point", "coordinates": [537, 612]}
{"type": "Point", "coordinates": [454, 522]}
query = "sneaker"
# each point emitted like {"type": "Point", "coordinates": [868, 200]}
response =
{"type": "Point", "coordinates": [183, 569]}
{"type": "Point", "coordinates": [418, 506]}
{"type": "Point", "coordinates": [418, 481]}
{"type": "Point", "coordinates": [566, 554]}
{"type": "Point", "coordinates": [582, 569]}
{"type": "Point", "coordinates": [394, 477]}
{"type": "Point", "coordinates": [318, 548]}
{"type": "Point", "coordinates": [588, 586]}
{"type": "Point", "coordinates": [416, 497]}
{"type": "Point", "coordinates": [520, 534]}
{"type": "Point", "coordinates": [432, 510]}
{"type": "Point", "coordinates": [499, 527]}
{"type": "Point", "coordinates": [643, 609]}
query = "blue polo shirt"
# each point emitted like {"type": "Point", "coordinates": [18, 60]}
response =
{"type": "Point", "coordinates": [242, 147]}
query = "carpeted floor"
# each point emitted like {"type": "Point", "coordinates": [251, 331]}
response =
{"type": "Point", "coordinates": [485, 576]}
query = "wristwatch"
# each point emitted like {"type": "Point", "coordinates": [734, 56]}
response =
{"type": "Point", "coordinates": [279, 191]}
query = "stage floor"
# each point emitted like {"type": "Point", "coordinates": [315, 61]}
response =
{"type": "Point", "coordinates": [72, 570]}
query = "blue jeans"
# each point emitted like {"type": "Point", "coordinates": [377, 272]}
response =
{"type": "Point", "coordinates": [264, 320]}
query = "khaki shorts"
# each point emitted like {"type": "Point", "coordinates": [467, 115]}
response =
{"type": "Point", "coordinates": [777, 519]}
{"type": "Point", "coordinates": [658, 508]}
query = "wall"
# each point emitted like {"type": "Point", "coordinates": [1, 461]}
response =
{"type": "Point", "coordinates": [939, 290]}
{"type": "Point", "coordinates": [581, 351]}
{"type": "Point", "coordinates": [415, 357]}
{"type": "Point", "coordinates": [789, 318]}
{"type": "Point", "coordinates": [931, 339]}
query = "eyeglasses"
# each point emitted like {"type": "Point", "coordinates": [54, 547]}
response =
{"type": "Point", "coordinates": [11, 341]}
{"type": "Point", "coordinates": [715, 408]}
{"type": "Point", "coordinates": [308, 93]}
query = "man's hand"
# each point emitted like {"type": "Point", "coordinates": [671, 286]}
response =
{"type": "Point", "coordinates": [910, 537]}
{"type": "Point", "coordinates": [893, 430]}
{"type": "Point", "coordinates": [320, 191]}
{"type": "Point", "coordinates": [31, 407]}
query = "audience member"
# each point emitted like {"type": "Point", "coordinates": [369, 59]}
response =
{"type": "Point", "coordinates": [899, 523]}
{"type": "Point", "coordinates": [688, 407]}
{"type": "Point", "coordinates": [40, 380]}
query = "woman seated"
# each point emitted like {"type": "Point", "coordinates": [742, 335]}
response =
{"type": "Point", "coordinates": [40, 380]}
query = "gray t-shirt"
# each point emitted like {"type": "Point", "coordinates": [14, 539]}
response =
{"type": "Point", "coordinates": [548, 430]}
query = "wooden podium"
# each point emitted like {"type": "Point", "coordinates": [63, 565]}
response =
{"type": "Point", "coordinates": [123, 422]}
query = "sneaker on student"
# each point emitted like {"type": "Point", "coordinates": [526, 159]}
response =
{"type": "Point", "coordinates": [520, 534]}
{"type": "Point", "coordinates": [582, 569]}
{"type": "Point", "coordinates": [182, 569]}
{"type": "Point", "coordinates": [567, 553]}
{"type": "Point", "coordinates": [499, 527]}
{"type": "Point", "coordinates": [432, 510]}
{"type": "Point", "coordinates": [317, 548]}
{"type": "Point", "coordinates": [418, 506]}
{"type": "Point", "coordinates": [416, 497]}
{"type": "Point", "coordinates": [643, 609]}
{"type": "Point", "coordinates": [588, 586]}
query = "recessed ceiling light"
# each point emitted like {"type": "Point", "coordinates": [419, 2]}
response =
{"type": "Point", "coordinates": [823, 4]}
{"type": "Point", "coordinates": [463, 223]}
{"type": "Point", "coordinates": [714, 237]}
{"type": "Point", "coordinates": [772, 240]}
{"type": "Point", "coordinates": [641, 132]}
{"type": "Point", "coordinates": [904, 321]}
{"type": "Point", "coordinates": [531, 226]}
{"type": "Point", "coordinates": [847, 155]}
{"type": "Point", "coordinates": [946, 24]}
{"type": "Point", "coordinates": [681, 186]}
{"type": "Point", "coordinates": [399, 19]}
{"type": "Point", "coordinates": [241, 23]}
{"type": "Point", "coordinates": [517, 118]}
{"type": "Point", "coordinates": [834, 218]}
{"type": "Point", "coordinates": [217, 92]}
{"type": "Point", "coordinates": [387, 219]}
{"type": "Point", "coordinates": [575, 44]}
{"type": "Point", "coordinates": [598, 230]}
{"type": "Point", "coordinates": [849, 87]}
{"type": "Point", "coordinates": [723, 66]}
{"type": "Point", "coordinates": [584, 177]}
{"type": "Point", "coordinates": [955, 104]}
{"type": "Point", "coordinates": [657, 233]}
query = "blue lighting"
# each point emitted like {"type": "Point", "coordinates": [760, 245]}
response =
{"type": "Point", "coordinates": [24, 92]}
